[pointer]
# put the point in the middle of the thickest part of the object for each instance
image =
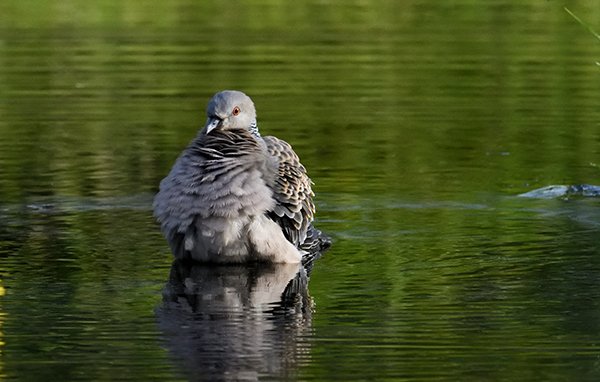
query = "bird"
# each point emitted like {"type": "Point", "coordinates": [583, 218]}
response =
{"type": "Point", "coordinates": [234, 196]}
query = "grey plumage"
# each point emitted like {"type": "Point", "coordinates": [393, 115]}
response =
{"type": "Point", "coordinates": [233, 196]}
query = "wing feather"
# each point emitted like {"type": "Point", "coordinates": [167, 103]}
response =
{"type": "Point", "coordinates": [294, 209]}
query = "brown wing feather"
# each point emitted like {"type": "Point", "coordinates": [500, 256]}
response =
{"type": "Point", "coordinates": [292, 190]}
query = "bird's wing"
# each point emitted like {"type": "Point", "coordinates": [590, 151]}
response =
{"type": "Point", "coordinates": [291, 186]}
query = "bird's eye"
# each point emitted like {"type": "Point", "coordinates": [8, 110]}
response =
{"type": "Point", "coordinates": [235, 111]}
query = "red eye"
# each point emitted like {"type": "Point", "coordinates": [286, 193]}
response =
{"type": "Point", "coordinates": [235, 111]}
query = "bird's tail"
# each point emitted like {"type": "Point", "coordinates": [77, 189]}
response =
{"type": "Point", "coordinates": [315, 244]}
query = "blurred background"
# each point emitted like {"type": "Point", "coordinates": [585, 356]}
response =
{"type": "Point", "coordinates": [418, 121]}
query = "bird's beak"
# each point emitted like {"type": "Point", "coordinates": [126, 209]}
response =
{"type": "Point", "coordinates": [212, 123]}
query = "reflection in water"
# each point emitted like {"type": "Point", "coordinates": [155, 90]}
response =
{"type": "Point", "coordinates": [236, 322]}
{"type": "Point", "coordinates": [2, 319]}
{"type": "Point", "coordinates": [420, 122]}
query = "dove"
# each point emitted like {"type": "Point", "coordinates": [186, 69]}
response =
{"type": "Point", "coordinates": [234, 196]}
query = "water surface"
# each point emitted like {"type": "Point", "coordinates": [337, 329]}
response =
{"type": "Point", "coordinates": [419, 122]}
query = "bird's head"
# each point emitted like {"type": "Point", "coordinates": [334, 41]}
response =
{"type": "Point", "coordinates": [231, 109]}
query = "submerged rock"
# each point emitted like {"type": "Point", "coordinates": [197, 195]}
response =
{"type": "Point", "coordinates": [562, 191]}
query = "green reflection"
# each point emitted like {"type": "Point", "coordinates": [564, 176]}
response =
{"type": "Point", "coordinates": [418, 122]}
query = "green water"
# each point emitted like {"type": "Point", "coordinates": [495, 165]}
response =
{"type": "Point", "coordinates": [419, 122]}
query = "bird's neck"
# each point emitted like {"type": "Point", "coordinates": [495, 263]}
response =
{"type": "Point", "coordinates": [230, 142]}
{"type": "Point", "coordinates": [254, 130]}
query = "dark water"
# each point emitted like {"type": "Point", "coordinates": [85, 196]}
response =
{"type": "Point", "coordinates": [419, 121]}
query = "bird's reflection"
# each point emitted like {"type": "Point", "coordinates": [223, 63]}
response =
{"type": "Point", "coordinates": [236, 322]}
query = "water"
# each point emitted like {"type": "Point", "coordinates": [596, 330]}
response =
{"type": "Point", "coordinates": [419, 122]}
